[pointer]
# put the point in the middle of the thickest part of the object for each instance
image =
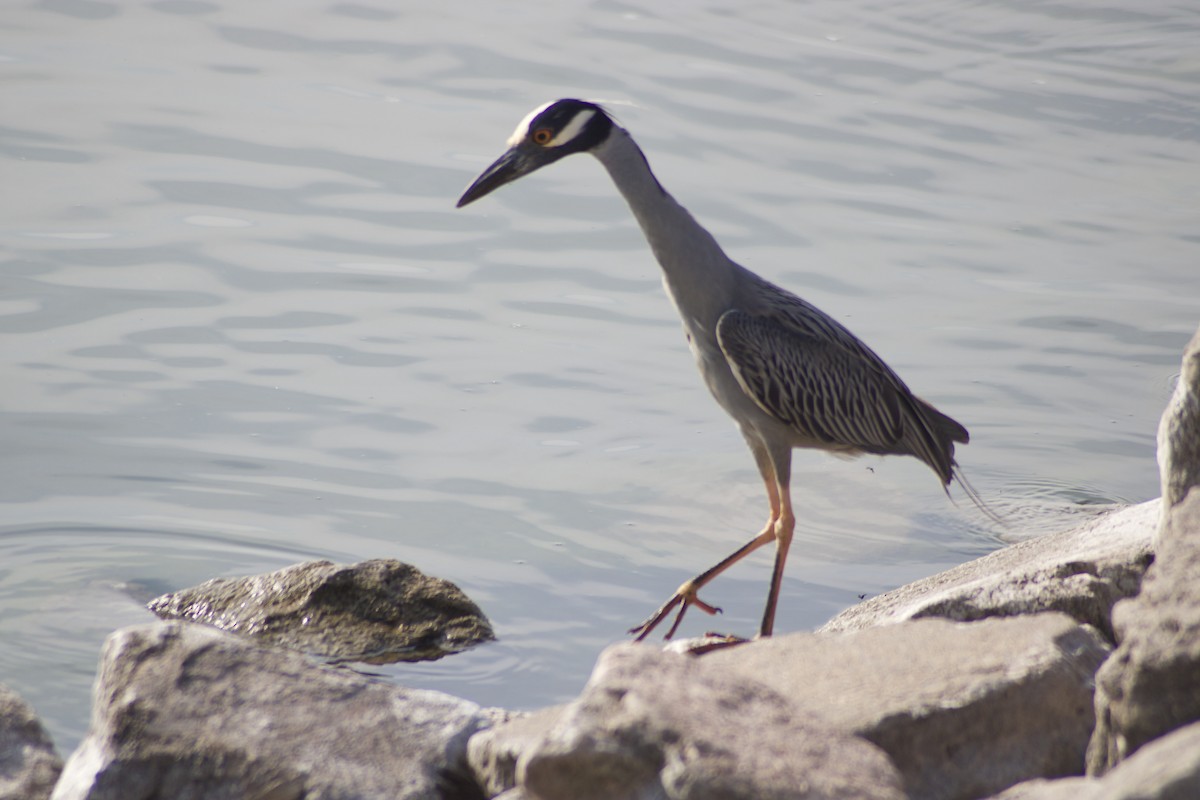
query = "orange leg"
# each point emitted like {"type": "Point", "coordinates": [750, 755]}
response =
{"type": "Point", "coordinates": [785, 526]}
{"type": "Point", "coordinates": [781, 519]}
{"type": "Point", "coordinates": [685, 595]}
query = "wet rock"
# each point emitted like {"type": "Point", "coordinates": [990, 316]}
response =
{"type": "Point", "coordinates": [656, 724]}
{"type": "Point", "coordinates": [1082, 572]}
{"type": "Point", "coordinates": [29, 764]}
{"type": "Point", "coordinates": [1166, 769]}
{"type": "Point", "coordinates": [1179, 431]}
{"type": "Point", "coordinates": [963, 709]}
{"type": "Point", "coordinates": [1151, 685]}
{"type": "Point", "coordinates": [187, 711]}
{"type": "Point", "coordinates": [378, 611]}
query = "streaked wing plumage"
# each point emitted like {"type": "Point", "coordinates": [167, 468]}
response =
{"type": "Point", "coordinates": [809, 372]}
{"type": "Point", "coordinates": [816, 387]}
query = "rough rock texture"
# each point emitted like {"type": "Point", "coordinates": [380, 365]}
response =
{"type": "Point", "coordinates": [651, 724]}
{"type": "Point", "coordinates": [1151, 685]}
{"type": "Point", "coordinates": [1042, 789]}
{"type": "Point", "coordinates": [963, 709]}
{"type": "Point", "coordinates": [1166, 769]}
{"type": "Point", "coordinates": [29, 764]}
{"type": "Point", "coordinates": [377, 611]}
{"type": "Point", "coordinates": [1082, 572]}
{"type": "Point", "coordinates": [1179, 431]}
{"type": "Point", "coordinates": [493, 753]}
{"type": "Point", "coordinates": [186, 711]}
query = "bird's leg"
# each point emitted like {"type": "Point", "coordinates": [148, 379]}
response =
{"type": "Point", "coordinates": [686, 595]}
{"type": "Point", "coordinates": [784, 525]}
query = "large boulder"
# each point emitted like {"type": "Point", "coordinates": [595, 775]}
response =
{"type": "Point", "coordinates": [1151, 685]}
{"type": "Point", "coordinates": [1179, 431]}
{"type": "Point", "coordinates": [375, 611]}
{"type": "Point", "coordinates": [1166, 769]}
{"type": "Point", "coordinates": [29, 764]}
{"type": "Point", "coordinates": [1082, 572]}
{"type": "Point", "coordinates": [654, 724]}
{"type": "Point", "coordinates": [187, 711]}
{"type": "Point", "coordinates": [963, 709]}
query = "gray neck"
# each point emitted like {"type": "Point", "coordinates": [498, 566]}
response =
{"type": "Point", "coordinates": [697, 273]}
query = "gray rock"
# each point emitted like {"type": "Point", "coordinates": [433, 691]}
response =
{"type": "Point", "coordinates": [376, 611]}
{"type": "Point", "coordinates": [1042, 789]}
{"type": "Point", "coordinates": [29, 764]}
{"type": "Point", "coordinates": [1179, 431]}
{"type": "Point", "coordinates": [188, 712]}
{"type": "Point", "coordinates": [1082, 572]}
{"type": "Point", "coordinates": [493, 753]}
{"type": "Point", "coordinates": [963, 709]}
{"type": "Point", "coordinates": [1166, 769]}
{"type": "Point", "coordinates": [651, 724]}
{"type": "Point", "coordinates": [1151, 685]}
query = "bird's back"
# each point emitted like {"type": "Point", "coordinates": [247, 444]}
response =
{"type": "Point", "coordinates": [807, 370]}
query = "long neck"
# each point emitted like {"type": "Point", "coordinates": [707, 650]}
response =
{"type": "Point", "coordinates": [697, 273]}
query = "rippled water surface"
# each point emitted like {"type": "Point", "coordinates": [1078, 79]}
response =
{"type": "Point", "coordinates": [243, 325]}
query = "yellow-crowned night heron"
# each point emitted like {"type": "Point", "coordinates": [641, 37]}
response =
{"type": "Point", "coordinates": [789, 374]}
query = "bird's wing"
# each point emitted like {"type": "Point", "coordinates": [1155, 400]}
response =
{"type": "Point", "coordinates": [814, 383]}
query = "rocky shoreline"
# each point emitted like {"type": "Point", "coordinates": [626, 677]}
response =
{"type": "Point", "coordinates": [1062, 667]}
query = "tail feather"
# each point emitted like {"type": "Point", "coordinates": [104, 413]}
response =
{"type": "Point", "coordinates": [930, 436]}
{"type": "Point", "coordinates": [946, 431]}
{"type": "Point", "coordinates": [969, 491]}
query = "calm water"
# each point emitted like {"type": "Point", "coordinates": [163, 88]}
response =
{"type": "Point", "coordinates": [243, 326]}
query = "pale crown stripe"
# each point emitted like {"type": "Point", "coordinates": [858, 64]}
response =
{"type": "Point", "coordinates": [573, 128]}
{"type": "Point", "coordinates": [523, 126]}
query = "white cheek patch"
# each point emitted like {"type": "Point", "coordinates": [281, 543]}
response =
{"type": "Point", "coordinates": [572, 129]}
{"type": "Point", "coordinates": [523, 126]}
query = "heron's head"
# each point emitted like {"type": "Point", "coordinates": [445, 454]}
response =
{"type": "Point", "coordinates": [546, 134]}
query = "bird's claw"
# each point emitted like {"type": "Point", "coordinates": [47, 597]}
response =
{"type": "Point", "coordinates": [684, 597]}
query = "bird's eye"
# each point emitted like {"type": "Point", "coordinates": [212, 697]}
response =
{"type": "Point", "coordinates": [543, 136]}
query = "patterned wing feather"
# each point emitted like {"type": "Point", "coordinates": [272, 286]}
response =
{"type": "Point", "coordinates": [814, 386]}
{"type": "Point", "coordinates": [814, 375]}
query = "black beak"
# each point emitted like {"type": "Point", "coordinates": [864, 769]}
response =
{"type": "Point", "coordinates": [519, 160]}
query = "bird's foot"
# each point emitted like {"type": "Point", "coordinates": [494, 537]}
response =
{"type": "Point", "coordinates": [712, 641]}
{"type": "Point", "coordinates": [684, 597]}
